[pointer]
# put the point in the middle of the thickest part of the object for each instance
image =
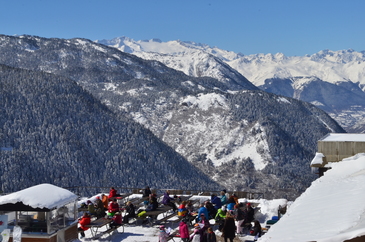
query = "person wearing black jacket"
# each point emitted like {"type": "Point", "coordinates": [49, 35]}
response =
{"type": "Point", "coordinates": [239, 217]}
{"type": "Point", "coordinates": [153, 202]}
{"type": "Point", "coordinates": [131, 212]}
{"type": "Point", "coordinates": [249, 213]}
{"type": "Point", "coordinates": [229, 228]}
{"type": "Point", "coordinates": [146, 192]}
{"type": "Point", "coordinates": [256, 230]}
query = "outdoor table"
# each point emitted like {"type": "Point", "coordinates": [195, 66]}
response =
{"type": "Point", "coordinates": [96, 224]}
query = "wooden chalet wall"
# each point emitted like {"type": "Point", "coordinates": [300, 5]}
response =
{"type": "Point", "coordinates": [335, 151]}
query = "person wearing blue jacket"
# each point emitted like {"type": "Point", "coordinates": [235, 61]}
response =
{"type": "Point", "coordinates": [223, 198]}
{"type": "Point", "coordinates": [230, 204]}
{"type": "Point", "coordinates": [216, 201]}
{"type": "Point", "coordinates": [201, 210]}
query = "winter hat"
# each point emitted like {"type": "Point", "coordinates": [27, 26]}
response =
{"type": "Point", "coordinates": [196, 225]}
{"type": "Point", "coordinates": [248, 204]}
{"type": "Point", "coordinates": [224, 208]}
{"type": "Point", "coordinates": [97, 197]}
{"type": "Point", "coordinates": [162, 227]}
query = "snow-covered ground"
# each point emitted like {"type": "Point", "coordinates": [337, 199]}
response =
{"type": "Point", "coordinates": [132, 233]}
{"type": "Point", "coordinates": [331, 209]}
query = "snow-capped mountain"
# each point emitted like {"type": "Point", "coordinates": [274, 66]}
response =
{"type": "Point", "coordinates": [244, 138]}
{"type": "Point", "coordinates": [297, 76]}
{"type": "Point", "coordinates": [183, 56]}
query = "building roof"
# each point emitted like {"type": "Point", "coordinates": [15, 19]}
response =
{"type": "Point", "coordinates": [43, 197]}
{"type": "Point", "coordinates": [317, 160]}
{"type": "Point", "coordinates": [344, 137]}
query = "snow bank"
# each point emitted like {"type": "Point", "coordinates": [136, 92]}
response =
{"type": "Point", "coordinates": [331, 209]}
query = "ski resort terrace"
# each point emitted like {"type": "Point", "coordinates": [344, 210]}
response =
{"type": "Point", "coordinates": [125, 191]}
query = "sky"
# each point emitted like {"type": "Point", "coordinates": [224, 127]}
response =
{"type": "Point", "coordinates": [295, 28]}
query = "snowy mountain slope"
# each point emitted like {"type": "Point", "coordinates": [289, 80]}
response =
{"type": "Point", "coordinates": [344, 71]}
{"type": "Point", "coordinates": [343, 101]}
{"type": "Point", "coordinates": [315, 216]}
{"type": "Point", "coordinates": [243, 138]}
{"type": "Point", "coordinates": [329, 66]}
{"type": "Point", "coordinates": [184, 57]}
{"type": "Point", "coordinates": [59, 130]}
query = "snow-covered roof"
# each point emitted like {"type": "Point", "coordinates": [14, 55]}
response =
{"type": "Point", "coordinates": [317, 160]}
{"type": "Point", "coordinates": [344, 137]}
{"type": "Point", "coordinates": [40, 196]}
{"type": "Point", "coordinates": [331, 209]}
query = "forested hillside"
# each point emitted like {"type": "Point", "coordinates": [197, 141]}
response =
{"type": "Point", "coordinates": [56, 132]}
{"type": "Point", "coordinates": [242, 138]}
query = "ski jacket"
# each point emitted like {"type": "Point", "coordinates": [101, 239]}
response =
{"type": "Point", "coordinates": [229, 228]}
{"type": "Point", "coordinates": [211, 237]}
{"type": "Point", "coordinates": [216, 201]}
{"type": "Point", "coordinates": [184, 230]}
{"type": "Point", "coordinates": [131, 210]}
{"type": "Point", "coordinates": [85, 220]}
{"type": "Point", "coordinates": [239, 214]}
{"type": "Point", "coordinates": [113, 207]}
{"type": "Point", "coordinates": [249, 214]}
{"type": "Point", "coordinates": [223, 200]}
{"type": "Point", "coordinates": [112, 193]}
{"type": "Point", "coordinates": [105, 201]}
{"type": "Point", "coordinates": [146, 192]}
{"type": "Point", "coordinates": [196, 236]}
{"type": "Point", "coordinates": [162, 237]}
{"type": "Point", "coordinates": [220, 215]}
{"type": "Point", "coordinates": [91, 208]}
{"type": "Point", "coordinates": [166, 198]}
{"type": "Point", "coordinates": [182, 210]}
{"type": "Point", "coordinates": [203, 210]}
{"type": "Point", "coordinates": [117, 219]}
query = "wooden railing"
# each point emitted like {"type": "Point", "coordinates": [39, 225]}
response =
{"type": "Point", "coordinates": [87, 191]}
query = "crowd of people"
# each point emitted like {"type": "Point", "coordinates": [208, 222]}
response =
{"type": "Point", "coordinates": [233, 218]}
{"type": "Point", "coordinates": [106, 206]}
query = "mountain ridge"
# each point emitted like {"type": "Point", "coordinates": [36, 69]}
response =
{"type": "Point", "coordinates": [343, 69]}
{"type": "Point", "coordinates": [244, 138]}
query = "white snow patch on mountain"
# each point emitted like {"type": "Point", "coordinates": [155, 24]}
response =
{"type": "Point", "coordinates": [205, 101]}
{"type": "Point", "coordinates": [283, 99]}
{"type": "Point", "coordinates": [110, 86]}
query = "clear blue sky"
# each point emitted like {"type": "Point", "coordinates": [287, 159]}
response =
{"type": "Point", "coordinates": [292, 27]}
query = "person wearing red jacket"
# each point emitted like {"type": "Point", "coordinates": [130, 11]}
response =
{"type": "Point", "coordinates": [83, 221]}
{"type": "Point", "coordinates": [112, 193]}
{"type": "Point", "coordinates": [113, 208]}
{"type": "Point", "coordinates": [116, 220]}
